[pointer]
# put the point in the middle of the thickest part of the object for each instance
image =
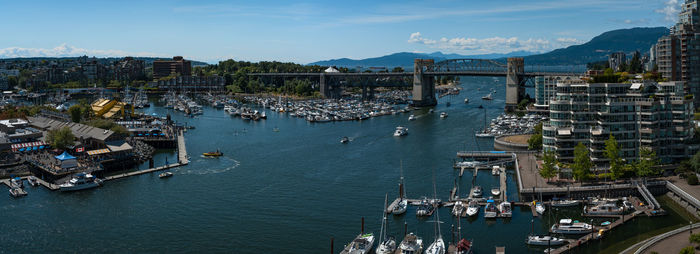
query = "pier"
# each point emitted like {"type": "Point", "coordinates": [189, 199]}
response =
{"type": "Point", "coordinates": [181, 148]}
{"type": "Point", "coordinates": [141, 172]}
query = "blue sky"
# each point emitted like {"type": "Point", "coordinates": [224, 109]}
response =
{"type": "Point", "coordinates": [307, 31]}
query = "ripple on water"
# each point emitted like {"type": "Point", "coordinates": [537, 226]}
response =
{"type": "Point", "coordinates": [225, 164]}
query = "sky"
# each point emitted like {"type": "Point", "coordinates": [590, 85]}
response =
{"type": "Point", "coordinates": [308, 31]}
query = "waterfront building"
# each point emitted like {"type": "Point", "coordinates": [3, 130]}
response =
{"type": "Point", "coordinates": [178, 66]}
{"type": "Point", "coordinates": [545, 89]}
{"type": "Point", "coordinates": [639, 114]}
{"type": "Point", "coordinates": [616, 59]}
{"type": "Point", "coordinates": [191, 84]}
{"type": "Point", "coordinates": [129, 69]}
{"type": "Point", "coordinates": [678, 54]}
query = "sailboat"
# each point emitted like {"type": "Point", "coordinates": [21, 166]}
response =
{"type": "Point", "coordinates": [464, 246]}
{"type": "Point", "coordinates": [438, 246]}
{"type": "Point", "coordinates": [484, 133]}
{"type": "Point", "coordinates": [362, 244]}
{"type": "Point", "coordinates": [402, 205]}
{"type": "Point", "coordinates": [387, 244]}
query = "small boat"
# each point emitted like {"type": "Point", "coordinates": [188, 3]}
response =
{"type": "Point", "coordinates": [33, 181]}
{"type": "Point", "coordinates": [477, 192]}
{"type": "Point", "coordinates": [464, 246]}
{"type": "Point", "coordinates": [487, 97]}
{"type": "Point", "coordinates": [17, 192]}
{"type": "Point", "coordinates": [605, 223]}
{"type": "Point", "coordinates": [362, 244]}
{"type": "Point", "coordinates": [400, 131]}
{"type": "Point", "coordinates": [544, 240]}
{"type": "Point", "coordinates": [437, 247]}
{"type": "Point", "coordinates": [505, 209]}
{"type": "Point", "coordinates": [425, 208]}
{"type": "Point", "coordinates": [411, 117]}
{"type": "Point", "coordinates": [431, 111]}
{"type": "Point", "coordinates": [411, 244]}
{"type": "Point", "coordinates": [213, 154]}
{"type": "Point", "coordinates": [466, 100]}
{"type": "Point", "coordinates": [458, 209]}
{"type": "Point", "coordinates": [165, 174]}
{"type": "Point", "coordinates": [539, 207]}
{"type": "Point", "coordinates": [80, 182]}
{"type": "Point", "coordinates": [490, 211]}
{"type": "Point", "coordinates": [443, 115]}
{"type": "Point", "coordinates": [400, 207]}
{"type": "Point", "coordinates": [473, 208]}
{"type": "Point", "coordinates": [17, 182]}
{"type": "Point", "coordinates": [496, 170]}
{"type": "Point", "coordinates": [495, 191]}
{"type": "Point", "coordinates": [344, 140]}
{"type": "Point", "coordinates": [564, 203]}
{"type": "Point", "coordinates": [603, 209]}
{"type": "Point", "coordinates": [567, 226]}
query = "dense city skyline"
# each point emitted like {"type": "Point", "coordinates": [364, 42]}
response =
{"type": "Point", "coordinates": [313, 30]}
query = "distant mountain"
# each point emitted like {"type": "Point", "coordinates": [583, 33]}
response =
{"type": "Point", "coordinates": [405, 59]}
{"type": "Point", "coordinates": [598, 48]}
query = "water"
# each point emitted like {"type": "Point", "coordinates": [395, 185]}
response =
{"type": "Point", "coordinates": [278, 192]}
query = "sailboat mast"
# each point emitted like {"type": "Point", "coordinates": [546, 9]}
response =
{"type": "Point", "coordinates": [382, 232]}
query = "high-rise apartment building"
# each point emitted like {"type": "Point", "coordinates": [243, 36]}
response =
{"type": "Point", "coordinates": [616, 60]}
{"type": "Point", "coordinates": [177, 66]}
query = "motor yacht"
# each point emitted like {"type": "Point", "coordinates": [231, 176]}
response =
{"type": "Point", "coordinates": [567, 226]}
{"type": "Point", "coordinates": [443, 115]}
{"type": "Point", "coordinates": [473, 208]}
{"type": "Point", "coordinates": [411, 244]}
{"type": "Point", "coordinates": [539, 207]}
{"type": "Point", "coordinates": [458, 209]}
{"type": "Point", "coordinates": [564, 203]}
{"type": "Point", "coordinates": [344, 140]}
{"type": "Point", "coordinates": [400, 207]}
{"type": "Point", "coordinates": [400, 131]}
{"type": "Point", "coordinates": [477, 192]}
{"type": "Point", "coordinates": [490, 211]}
{"type": "Point", "coordinates": [603, 209]}
{"type": "Point", "coordinates": [80, 182]}
{"type": "Point", "coordinates": [544, 240]}
{"type": "Point", "coordinates": [495, 191]}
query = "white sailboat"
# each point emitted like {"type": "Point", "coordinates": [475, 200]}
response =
{"type": "Point", "coordinates": [387, 244]}
{"type": "Point", "coordinates": [438, 246]}
{"type": "Point", "coordinates": [402, 205]}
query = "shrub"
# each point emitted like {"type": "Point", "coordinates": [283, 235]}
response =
{"type": "Point", "coordinates": [692, 179]}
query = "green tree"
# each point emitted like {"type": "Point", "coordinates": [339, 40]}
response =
{"type": "Point", "coordinates": [61, 138]}
{"type": "Point", "coordinates": [687, 250]}
{"type": "Point", "coordinates": [647, 162]}
{"type": "Point", "coordinates": [608, 72]}
{"type": "Point", "coordinates": [75, 113]}
{"type": "Point", "coordinates": [694, 238]}
{"type": "Point", "coordinates": [549, 162]}
{"type": "Point", "coordinates": [535, 142]}
{"type": "Point", "coordinates": [582, 162]}
{"type": "Point", "coordinates": [612, 152]}
{"type": "Point", "coordinates": [397, 69]}
{"type": "Point", "coordinates": [635, 64]}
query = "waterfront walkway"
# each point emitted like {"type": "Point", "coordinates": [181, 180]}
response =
{"type": "Point", "coordinates": [181, 148]}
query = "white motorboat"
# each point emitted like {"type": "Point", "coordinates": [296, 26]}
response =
{"type": "Point", "coordinates": [484, 135]}
{"type": "Point", "coordinates": [458, 209]}
{"type": "Point", "coordinates": [33, 181]}
{"type": "Point", "coordinates": [17, 192]}
{"type": "Point", "coordinates": [477, 192]}
{"type": "Point", "coordinates": [165, 174]}
{"type": "Point", "coordinates": [539, 207]}
{"type": "Point", "coordinates": [473, 208]}
{"type": "Point", "coordinates": [17, 182]}
{"type": "Point", "coordinates": [425, 208]}
{"type": "Point", "coordinates": [495, 191]}
{"type": "Point", "coordinates": [411, 244]}
{"type": "Point", "coordinates": [80, 182]}
{"type": "Point", "coordinates": [505, 209]}
{"type": "Point", "coordinates": [400, 207]}
{"type": "Point", "coordinates": [411, 117]}
{"type": "Point", "coordinates": [437, 247]}
{"type": "Point", "coordinates": [567, 226]}
{"type": "Point", "coordinates": [603, 209]}
{"type": "Point", "coordinates": [490, 211]}
{"type": "Point", "coordinates": [443, 115]}
{"type": "Point", "coordinates": [400, 131]}
{"type": "Point", "coordinates": [487, 97]}
{"type": "Point", "coordinates": [565, 203]}
{"type": "Point", "coordinates": [496, 170]}
{"type": "Point", "coordinates": [362, 244]}
{"type": "Point", "coordinates": [466, 100]}
{"type": "Point", "coordinates": [544, 240]}
{"type": "Point", "coordinates": [344, 140]}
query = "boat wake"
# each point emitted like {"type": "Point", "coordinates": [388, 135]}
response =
{"type": "Point", "coordinates": [226, 164]}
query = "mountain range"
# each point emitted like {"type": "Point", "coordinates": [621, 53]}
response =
{"type": "Point", "coordinates": [597, 49]}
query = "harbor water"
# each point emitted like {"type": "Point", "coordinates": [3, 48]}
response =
{"type": "Point", "coordinates": [285, 185]}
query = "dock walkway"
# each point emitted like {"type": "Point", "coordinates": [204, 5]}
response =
{"type": "Point", "coordinates": [181, 148]}
{"type": "Point", "coordinates": [141, 172]}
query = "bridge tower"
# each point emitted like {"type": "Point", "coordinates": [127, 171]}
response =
{"type": "Point", "coordinates": [514, 78]}
{"type": "Point", "coordinates": [423, 85]}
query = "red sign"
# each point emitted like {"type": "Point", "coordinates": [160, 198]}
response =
{"type": "Point", "coordinates": [80, 150]}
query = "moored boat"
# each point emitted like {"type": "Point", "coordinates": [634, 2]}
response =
{"type": "Point", "coordinates": [33, 181]}
{"type": "Point", "coordinates": [490, 211]}
{"type": "Point", "coordinates": [505, 209]}
{"type": "Point", "coordinates": [411, 244]}
{"type": "Point", "coordinates": [458, 209]}
{"type": "Point", "coordinates": [567, 226]}
{"type": "Point", "coordinates": [443, 115]}
{"type": "Point", "coordinates": [387, 244]}
{"type": "Point", "coordinates": [564, 203]}
{"type": "Point", "coordinates": [539, 208]}
{"type": "Point", "coordinates": [603, 209]}
{"type": "Point", "coordinates": [165, 174]}
{"type": "Point", "coordinates": [400, 207]}
{"type": "Point", "coordinates": [477, 192]}
{"type": "Point", "coordinates": [17, 192]}
{"type": "Point", "coordinates": [473, 208]}
{"type": "Point", "coordinates": [362, 244]}
{"type": "Point", "coordinates": [544, 240]}
{"type": "Point", "coordinates": [80, 182]}
{"type": "Point", "coordinates": [495, 191]}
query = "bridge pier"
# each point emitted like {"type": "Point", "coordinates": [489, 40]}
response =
{"type": "Point", "coordinates": [323, 86]}
{"type": "Point", "coordinates": [514, 78]}
{"type": "Point", "coordinates": [423, 85]}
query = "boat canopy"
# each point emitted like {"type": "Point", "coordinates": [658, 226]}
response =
{"type": "Point", "coordinates": [65, 156]}
{"type": "Point", "coordinates": [490, 201]}
{"type": "Point", "coordinates": [565, 221]}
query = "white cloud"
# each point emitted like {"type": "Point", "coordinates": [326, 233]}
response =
{"type": "Point", "coordinates": [491, 45]}
{"type": "Point", "coordinates": [64, 50]}
{"type": "Point", "coordinates": [670, 10]}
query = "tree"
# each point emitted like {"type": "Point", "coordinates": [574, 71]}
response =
{"type": "Point", "coordinates": [61, 138]}
{"type": "Point", "coordinates": [612, 152]}
{"type": "Point", "coordinates": [582, 162]}
{"type": "Point", "coordinates": [75, 113]}
{"type": "Point", "coordinates": [397, 69]}
{"type": "Point", "coordinates": [535, 142]}
{"type": "Point", "coordinates": [647, 162]}
{"type": "Point", "coordinates": [687, 250]}
{"type": "Point", "coordinates": [694, 238]}
{"type": "Point", "coordinates": [549, 162]}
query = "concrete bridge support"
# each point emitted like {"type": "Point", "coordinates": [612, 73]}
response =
{"type": "Point", "coordinates": [515, 76]}
{"type": "Point", "coordinates": [323, 86]}
{"type": "Point", "coordinates": [423, 85]}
